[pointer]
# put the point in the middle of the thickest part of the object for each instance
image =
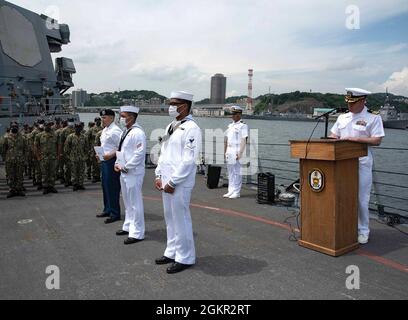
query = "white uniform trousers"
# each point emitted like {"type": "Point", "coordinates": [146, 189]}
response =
{"type": "Point", "coordinates": [180, 240]}
{"type": "Point", "coordinates": [234, 178]}
{"type": "Point", "coordinates": [365, 182]}
{"type": "Point", "coordinates": [133, 199]}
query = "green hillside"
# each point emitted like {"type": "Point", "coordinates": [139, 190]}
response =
{"type": "Point", "coordinates": [116, 98]}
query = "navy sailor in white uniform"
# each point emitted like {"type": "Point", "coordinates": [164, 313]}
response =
{"type": "Point", "coordinates": [175, 176]}
{"type": "Point", "coordinates": [132, 170]}
{"type": "Point", "coordinates": [235, 142]}
{"type": "Point", "coordinates": [361, 126]}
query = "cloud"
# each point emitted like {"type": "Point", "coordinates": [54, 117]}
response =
{"type": "Point", "coordinates": [183, 74]}
{"type": "Point", "coordinates": [397, 83]}
{"type": "Point", "coordinates": [346, 64]}
{"type": "Point", "coordinates": [290, 44]}
{"type": "Point", "coordinates": [396, 48]}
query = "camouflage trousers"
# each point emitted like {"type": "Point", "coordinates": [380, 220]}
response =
{"type": "Point", "coordinates": [78, 173]}
{"type": "Point", "coordinates": [61, 168]}
{"type": "Point", "coordinates": [37, 176]}
{"type": "Point", "coordinates": [96, 170]}
{"type": "Point", "coordinates": [89, 167]}
{"type": "Point", "coordinates": [29, 166]}
{"type": "Point", "coordinates": [15, 175]}
{"type": "Point", "coordinates": [48, 167]}
{"type": "Point", "coordinates": [67, 170]}
{"type": "Point", "coordinates": [58, 170]}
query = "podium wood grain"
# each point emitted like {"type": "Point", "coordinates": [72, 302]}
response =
{"type": "Point", "coordinates": [329, 218]}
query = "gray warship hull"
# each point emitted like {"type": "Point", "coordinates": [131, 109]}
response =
{"type": "Point", "coordinates": [396, 124]}
{"type": "Point", "coordinates": [31, 86]}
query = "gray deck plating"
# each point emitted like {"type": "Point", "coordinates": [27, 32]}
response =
{"type": "Point", "coordinates": [242, 253]}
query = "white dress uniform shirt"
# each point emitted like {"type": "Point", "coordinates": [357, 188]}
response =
{"type": "Point", "coordinates": [177, 167]}
{"type": "Point", "coordinates": [364, 125]}
{"type": "Point", "coordinates": [110, 138]}
{"type": "Point", "coordinates": [235, 133]}
{"type": "Point", "coordinates": [134, 152]}
{"type": "Point", "coordinates": [180, 152]}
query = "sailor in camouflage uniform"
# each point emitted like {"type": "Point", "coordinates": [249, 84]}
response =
{"type": "Point", "coordinates": [63, 137]}
{"type": "Point", "coordinates": [37, 178]}
{"type": "Point", "coordinates": [57, 129]}
{"type": "Point", "coordinates": [60, 157]}
{"type": "Point", "coordinates": [13, 151]}
{"type": "Point", "coordinates": [96, 172]}
{"type": "Point", "coordinates": [88, 136]}
{"type": "Point", "coordinates": [46, 151]}
{"type": "Point", "coordinates": [76, 151]}
{"type": "Point", "coordinates": [27, 164]}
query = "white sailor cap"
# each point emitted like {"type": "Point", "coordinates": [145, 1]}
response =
{"type": "Point", "coordinates": [236, 109]}
{"type": "Point", "coordinates": [356, 94]}
{"type": "Point", "coordinates": [183, 95]}
{"type": "Point", "coordinates": [132, 109]}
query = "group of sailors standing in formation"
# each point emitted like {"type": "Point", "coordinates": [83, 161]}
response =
{"type": "Point", "coordinates": [176, 167]}
{"type": "Point", "coordinates": [49, 151]}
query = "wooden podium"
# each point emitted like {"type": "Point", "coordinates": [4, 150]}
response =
{"type": "Point", "coordinates": [329, 193]}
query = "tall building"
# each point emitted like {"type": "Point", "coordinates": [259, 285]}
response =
{"type": "Point", "coordinates": [218, 89]}
{"type": "Point", "coordinates": [79, 98]}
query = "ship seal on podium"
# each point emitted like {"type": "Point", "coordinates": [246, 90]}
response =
{"type": "Point", "coordinates": [316, 180]}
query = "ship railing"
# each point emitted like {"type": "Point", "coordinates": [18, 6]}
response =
{"type": "Point", "coordinates": [35, 107]}
{"type": "Point", "coordinates": [5, 107]}
{"type": "Point", "coordinates": [389, 188]}
{"type": "Point", "coordinates": [55, 106]}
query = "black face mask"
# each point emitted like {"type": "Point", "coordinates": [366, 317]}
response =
{"type": "Point", "coordinates": [14, 130]}
{"type": "Point", "coordinates": [78, 130]}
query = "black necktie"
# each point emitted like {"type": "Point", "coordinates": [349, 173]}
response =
{"type": "Point", "coordinates": [123, 139]}
{"type": "Point", "coordinates": [175, 126]}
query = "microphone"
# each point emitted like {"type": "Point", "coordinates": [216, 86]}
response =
{"type": "Point", "coordinates": [326, 116]}
{"type": "Point", "coordinates": [334, 110]}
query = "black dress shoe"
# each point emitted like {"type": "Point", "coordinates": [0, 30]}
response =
{"type": "Point", "coordinates": [111, 220]}
{"type": "Point", "coordinates": [11, 194]}
{"type": "Point", "coordinates": [53, 190]}
{"type": "Point", "coordinates": [40, 187]}
{"type": "Point", "coordinates": [164, 260]}
{"type": "Point", "coordinates": [21, 194]}
{"type": "Point", "coordinates": [132, 240]}
{"type": "Point", "coordinates": [103, 215]}
{"type": "Point", "coordinates": [46, 191]}
{"type": "Point", "coordinates": [81, 188]}
{"type": "Point", "coordinates": [177, 267]}
{"type": "Point", "coordinates": [75, 188]}
{"type": "Point", "coordinates": [122, 233]}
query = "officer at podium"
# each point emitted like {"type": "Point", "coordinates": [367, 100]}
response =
{"type": "Point", "coordinates": [361, 126]}
{"type": "Point", "coordinates": [234, 146]}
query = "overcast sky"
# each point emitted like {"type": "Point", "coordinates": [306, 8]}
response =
{"type": "Point", "coordinates": [163, 45]}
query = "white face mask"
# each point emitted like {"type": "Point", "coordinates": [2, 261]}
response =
{"type": "Point", "coordinates": [173, 112]}
{"type": "Point", "coordinates": [122, 122]}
